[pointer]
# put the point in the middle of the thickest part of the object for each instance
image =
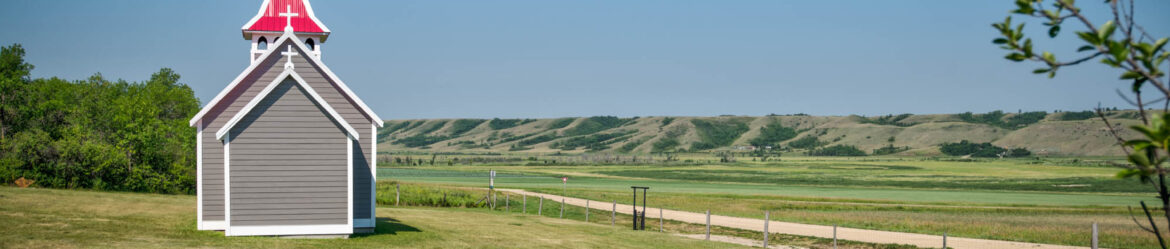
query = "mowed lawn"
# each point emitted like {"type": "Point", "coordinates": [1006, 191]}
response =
{"type": "Point", "coordinates": [49, 218]}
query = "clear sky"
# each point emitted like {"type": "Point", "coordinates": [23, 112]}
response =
{"type": "Point", "coordinates": [539, 58]}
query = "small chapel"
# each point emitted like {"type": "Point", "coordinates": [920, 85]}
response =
{"type": "Point", "coordinates": [286, 149]}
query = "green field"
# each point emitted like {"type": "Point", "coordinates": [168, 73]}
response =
{"type": "Point", "coordinates": [47, 218]}
{"type": "Point", "coordinates": [1053, 201]}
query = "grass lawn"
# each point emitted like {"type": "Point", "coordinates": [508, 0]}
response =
{"type": "Point", "coordinates": [47, 218]}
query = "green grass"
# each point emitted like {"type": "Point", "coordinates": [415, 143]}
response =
{"type": "Point", "coordinates": [427, 194]}
{"type": "Point", "coordinates": [47, 218]}
{"type": "Point", "coordinates": [593, 181]}
{"type": "Point", "coordinates": [1002, 199]}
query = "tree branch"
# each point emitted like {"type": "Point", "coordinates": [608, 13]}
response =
{"type": "Point", "coordinates": [1135, 221]}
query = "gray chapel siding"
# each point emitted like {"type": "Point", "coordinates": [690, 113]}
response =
{"type": "Point", "coordinates": [247, 89]}
{"type": "Point", "coordinates": [288, 176]}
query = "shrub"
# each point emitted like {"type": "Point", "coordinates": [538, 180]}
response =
{"type": "Point", "coordinates": [666, 121]}
{"type": "Point", "coordinates": [1025, 119]}
{"type": "Point", "coordinates": [807, 142]}
{"type": "Point", "coordinates": [837, 150]}
{"type": "Point", "coordinates": [1073, 116]}
{"type": "Point", "coordinates": [890, 149]}
{"type": "Point", "coordinates": [500, 124]}
{"type": "Point", "coordinates": [595, 124]}
{"type": "Point", "coordinates": [96, 133]}
{"type": "Point", "coordinates": [434, 127]}
{"type": "Point", "coordinates": [593, 142]}
{"type": "Point", "coordinates": [560, 123]}
{"type": "Point", "coordinates": [715, 134]}
{"type": "Point", "coordinates": [537, 140]}
{"type": "Point", "coordinates": [772, 134]}
{"type": "Point", "coordinates": [889, 120]}
{"type": "Point", "coordinates": [965, 147]}
{"type": "Point", "coordinates": [626, 148]}
{"type": "Point", "coordinates": [464, 125]}
{"type": "Point", "coordinates": [420, 140]}
{"type": "Point", "coordinates": [665, 145]}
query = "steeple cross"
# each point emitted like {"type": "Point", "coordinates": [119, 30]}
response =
{"type": "Point", "coordinates": [289, 53]}
{"type": "Point", "coordinates": [288, 14]}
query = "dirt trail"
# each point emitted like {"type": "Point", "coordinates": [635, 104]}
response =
{"type": "Point", "coordinates": [863, 235]}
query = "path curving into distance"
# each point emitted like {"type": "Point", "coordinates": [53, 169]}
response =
{"type": "Point", "coordinates": [854, 234]}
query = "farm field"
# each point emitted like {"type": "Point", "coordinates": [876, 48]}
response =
{"type": "Point", "coordinates": [1052, 201]}
{"type": "Point", "coordinates": [48, 218]}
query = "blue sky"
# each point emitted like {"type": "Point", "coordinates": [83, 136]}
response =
{"type": "Point", "coordinates": [537, 59]}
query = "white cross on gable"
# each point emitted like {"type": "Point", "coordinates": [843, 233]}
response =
{"type": "Point", "coordinates": [289, 53]}
{"type": "Point", "coordinates": [288, 14]}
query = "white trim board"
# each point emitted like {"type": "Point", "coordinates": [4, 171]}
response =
{"type": "Point", "coordinates": [217, 225]}
{"type": "Point", "coordinates": [373, 172]}
{"type": "Point", "coordinates": [287, 73]}
{"type": "Point", "coordinates": [339, 229]}
{"type": "Point", "coordinates": [312, 59]}
{"type": "Point", "coordinates": [349, 181]}
{"type": "Point", "coordinates": [227, 184]}
{"type": "Point", "coordinates": [199, 176]}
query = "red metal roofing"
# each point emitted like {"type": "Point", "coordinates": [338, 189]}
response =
{"type": "Point", "coordinates": [269, 18]}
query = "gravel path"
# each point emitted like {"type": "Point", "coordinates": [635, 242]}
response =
{"type": "Point", "coordinates": [863, 235]}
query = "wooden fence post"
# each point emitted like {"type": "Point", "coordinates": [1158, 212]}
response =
{"type": "Point", "coordinates": [562, 207]}
{"type": "Point", "coordinates": [540, 208]}
{"type": "Point", "coordinates": [613, 214]}
{"type": "Point", "coordinates": [586, 210]}
{"type": "Point", "coordinates": [944, 239]}
{"type": "Point", "coordinates": [834, 236]}
{"type": "Point", "coordinates": [708, 224]}
{"type": "Point", "coordinates": [660, 220]}
{"type": "Point", "coordinates": [397, 193]}
{"type": "Point", "coordinates": [766, 219]}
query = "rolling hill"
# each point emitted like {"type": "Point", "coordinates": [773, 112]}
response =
{"type": "Point", "coordinates": [1064, 133]}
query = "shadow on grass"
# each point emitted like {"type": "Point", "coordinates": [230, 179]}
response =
{"type": "Point", "coordinates": [388, 226]}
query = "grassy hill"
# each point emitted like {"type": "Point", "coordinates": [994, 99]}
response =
{"type": "Point", "coordinates": [1065, 133]}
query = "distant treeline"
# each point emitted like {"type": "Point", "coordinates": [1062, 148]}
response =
{"type": "Point", "coordinates": [964, 148]}
{"type": "Point", "coordinates": [95, 133]}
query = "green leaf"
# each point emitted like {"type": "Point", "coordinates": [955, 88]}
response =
{"type": "Point", "coordinates": [1137, 85]}
{"type": "Point", "coordinates": [1160, 43]}
{"type": "Point", "coordinates": [999, 41]}
{"type": "Point", "coordinates": [1052, 32]}
{"type": "Point", "coordinates": [1041, 70]}
{"type": "Point", "coordinates": [1028, 47]}
{"type": "Point", "coordinates": [1129, 75]}
{"type": "Point", "coordinates": [1110, 62]}
{"type": "Point", "coordinates": [1089, 37]}
{"type": "Point", "coordinates": [1106, 30]}
{"type": "Point", "coordinates": [1016, 57]}
{"type": "Point", "coordinates": [1086, 48]}
{"type": "Point", "coordinates": [1138, 158]}
{"type": "Point", "coordinates": [1049, 57]}
{"type": "Point", "coordinates": [1024, 7]}
{"type": "Point", "coordinates": [1146, 48]}
{"type": "Point", "coordinates": [1127, 173]}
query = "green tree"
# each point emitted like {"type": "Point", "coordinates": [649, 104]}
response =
{"type": "Point", "coordinates": [1119, 43]}
{"type": "Point", "coordinates": [96, 133]}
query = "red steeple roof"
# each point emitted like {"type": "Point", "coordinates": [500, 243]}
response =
{"type": "Point", "coordinates": [269, 19]}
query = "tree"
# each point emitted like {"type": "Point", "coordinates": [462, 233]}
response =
{"type": "Point", "coordinates": [1135, 52]}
